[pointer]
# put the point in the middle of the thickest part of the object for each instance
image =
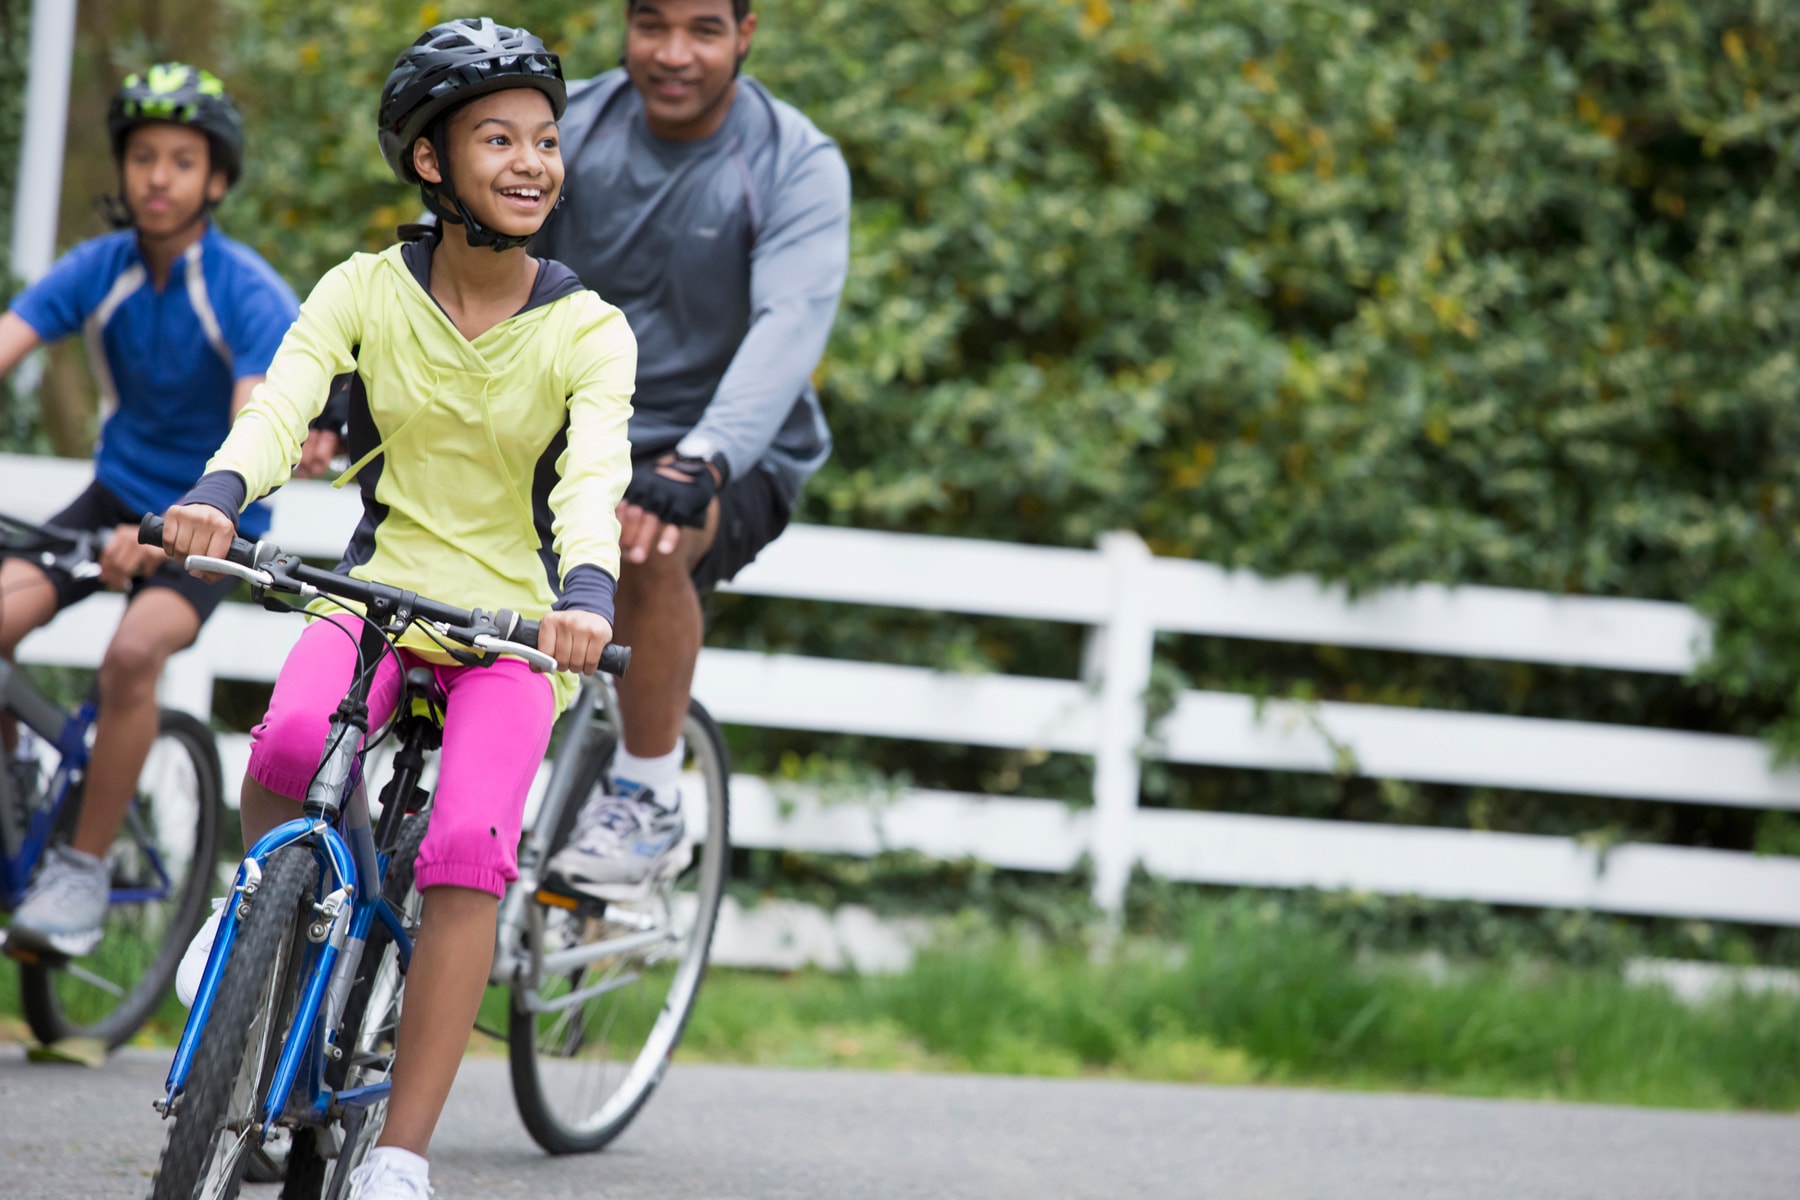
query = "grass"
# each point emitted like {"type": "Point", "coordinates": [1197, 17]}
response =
{"type": "Point", "coordinates": [1253, 999]}
{"type": "Point", "coordinates": [1250, 995]}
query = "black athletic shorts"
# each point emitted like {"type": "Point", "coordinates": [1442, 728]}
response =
{"type": "Point", "coordinates": [751, 515]}
{"type": "Point", "coordinates": [96, 509]}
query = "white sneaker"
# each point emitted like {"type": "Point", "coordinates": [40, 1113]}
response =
{"type": "Point", "coordinates": [622, 847]}
{"type": "Point", "coordinates": [381, 1178]}
{"type": "Point", "coordinates": [66, 906]}
{"type": "Point", "coordinates": [193, 963]}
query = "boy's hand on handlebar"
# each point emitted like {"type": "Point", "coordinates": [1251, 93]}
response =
{"type": "Point", "coordinates": [124, 559]}
{"type": "Point", "coordinates": [197, 529]}
{"type": "Point", "coordinates": [574, 639]}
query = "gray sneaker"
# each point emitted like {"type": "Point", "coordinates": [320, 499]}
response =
{"type": "Point", "coordinates": [66, 905]}
{"type": "Point", "coordinates": [621, 848]}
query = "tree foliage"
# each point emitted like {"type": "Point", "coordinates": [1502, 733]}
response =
{"type": "Point", "coordinates": [1379, 290]}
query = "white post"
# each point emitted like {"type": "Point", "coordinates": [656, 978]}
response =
{"type": "Point", "coordinates": [187, 682]}
{"type": "Point", "coordinates": [1125, 655]}
{"type": "Point", "coordinates": [41, 153]}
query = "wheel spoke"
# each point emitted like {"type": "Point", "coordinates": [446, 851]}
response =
{"type": "Point", "coordinates": [591, 1044]}
{"type": "Point", "coordinates": [161, 871]}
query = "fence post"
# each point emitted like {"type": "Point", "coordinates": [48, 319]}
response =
{"type": "Point", "coordinates": [40, 163]}
{"type": "Point", "coordinates": [1124, 657]}
{"type": "Point", "coordinates": [187, 683]}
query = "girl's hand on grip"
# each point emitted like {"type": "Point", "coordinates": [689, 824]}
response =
{"type": "Point", "coordinates": [574, 639]}
{"type": "Point", "coordinates": [197, 529]}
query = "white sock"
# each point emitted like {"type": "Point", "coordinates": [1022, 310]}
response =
{"type": "Point", "coordinates": [660, 775]}
{"type": "Point", "coordinates": [403, 1161]}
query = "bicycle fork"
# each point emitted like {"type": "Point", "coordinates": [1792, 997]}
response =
{"type": "Point", "coordinates": [336, 934]}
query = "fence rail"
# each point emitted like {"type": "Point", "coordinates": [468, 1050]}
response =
{"type": "Point", "coordinates": [1126, 597]}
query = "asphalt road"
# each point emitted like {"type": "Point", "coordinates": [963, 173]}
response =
{"type": "Point", "coordinates": [721, 1133]}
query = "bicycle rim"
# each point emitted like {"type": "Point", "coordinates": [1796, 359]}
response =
{"type": "Point", "coordinates": [582, 1072]}
{"type": "Point", "coordinates": [168, 845]}
{"type": "Point", "coordinates": [219, 1111]}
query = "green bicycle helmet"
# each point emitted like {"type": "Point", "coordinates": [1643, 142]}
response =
{"type": "Point", "coordinates": [183, 95]}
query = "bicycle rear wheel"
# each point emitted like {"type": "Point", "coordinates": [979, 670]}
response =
{"type": "Point", "coordinates": [370, 1024]}
{"type": "Point", "coordinates": [590, 1044]}
{"type": "Point", "coordinates": [217, 1113]}
{"type": "Point", "coordinates": [163, 865]}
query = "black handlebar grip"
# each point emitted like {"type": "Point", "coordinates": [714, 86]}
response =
{"type": "Point", "coordinates": [150, 533]}
{"type": "Point", "coordinates": [614, 660]}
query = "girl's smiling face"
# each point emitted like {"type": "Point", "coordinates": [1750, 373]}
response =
{"type": "Point", "coordinates": [506, 161]}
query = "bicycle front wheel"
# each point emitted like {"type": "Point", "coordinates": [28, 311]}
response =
{"type": "Point", "coordinates": [218, 1112]}
{"type": "Point", "coordinates": [590, 1043]}
{"type": "Point", "coordinates": [163, 866]}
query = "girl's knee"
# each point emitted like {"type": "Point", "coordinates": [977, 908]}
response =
{"type": "Point", "coordinates": [285, 749]}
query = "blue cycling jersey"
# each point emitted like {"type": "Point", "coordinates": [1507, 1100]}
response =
{"type": "Point", "coordinates": [165, 361]}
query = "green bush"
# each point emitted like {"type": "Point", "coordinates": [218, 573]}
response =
{"type": "Point", "coordinates": [1379, 290]}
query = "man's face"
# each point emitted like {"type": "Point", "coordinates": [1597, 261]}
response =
{"type": "Point", "coordinates": [683, 57]}
{"type": "Point", "coordinates": [168, 176]}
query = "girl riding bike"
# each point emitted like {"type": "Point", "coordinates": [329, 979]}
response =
{"type": "Point", "coordinates": [489, 399]}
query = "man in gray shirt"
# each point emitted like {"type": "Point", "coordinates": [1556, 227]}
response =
{"type": "Point", "coordinates": [718, 219]}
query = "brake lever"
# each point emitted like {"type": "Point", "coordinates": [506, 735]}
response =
{"type": "Point", "coordinates": [533, 656]}
{"type": "Point", "coordinates": [224, 566]}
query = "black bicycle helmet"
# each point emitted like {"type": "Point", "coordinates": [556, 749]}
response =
{"type": "Point", "coordinates": [448, 66]}
{"type": "Point", "coordinates": [182, 95]}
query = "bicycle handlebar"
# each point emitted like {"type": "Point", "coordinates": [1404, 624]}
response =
{"type": "Point", "coordinates": [76, 551]}
{"type": "Point", "coordinates": [266, 565]}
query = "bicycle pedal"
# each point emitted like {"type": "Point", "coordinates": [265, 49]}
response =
{"type": "Point", "coordinates": [550, 899]}
{"type": "Point", "coordinates": [579, 903]}
{"type": "Point", "coordinates": [30, 953]}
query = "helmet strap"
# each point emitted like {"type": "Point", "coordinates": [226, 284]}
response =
{"type": "Point", "coordinates": [441, 199]}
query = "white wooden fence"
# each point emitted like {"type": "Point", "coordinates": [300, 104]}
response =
{"type": "Point", "coordinates": [1126, 596]}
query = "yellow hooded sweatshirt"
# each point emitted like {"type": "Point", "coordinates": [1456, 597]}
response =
{"type": "Point", "coordinates": [489, 469]}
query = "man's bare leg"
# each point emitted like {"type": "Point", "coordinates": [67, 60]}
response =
{"type": "Point", "coordinates": [620, 841]}
{"type": "Point", "coordinates": [659, 617]}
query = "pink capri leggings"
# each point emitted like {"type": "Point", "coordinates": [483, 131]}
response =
{"type": "Point", "coordinates": [496, 728]}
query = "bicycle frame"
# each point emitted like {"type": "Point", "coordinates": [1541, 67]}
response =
{"type": "Point", "coordinates": [348, 905]}
{"type": "Point", "coordinates": [67, 734]}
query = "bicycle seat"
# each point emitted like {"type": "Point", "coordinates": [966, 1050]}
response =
{"type": "Point", "coordinates": [423, 696]}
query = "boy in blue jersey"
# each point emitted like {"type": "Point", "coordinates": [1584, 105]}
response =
{"type": "Point", "coordinates": [181, 323]}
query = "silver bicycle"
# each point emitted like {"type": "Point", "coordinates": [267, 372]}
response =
{"type": "Point", "coordinates": [601, 991]}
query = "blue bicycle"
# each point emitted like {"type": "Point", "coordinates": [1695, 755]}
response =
{"type": "Point", "coordinates": [294, 1022]}
{"type": "Point", "coordinates": [163, 861]}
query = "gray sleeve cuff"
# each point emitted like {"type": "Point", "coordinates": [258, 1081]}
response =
{"type": "Point", "coordinates": [224, 490]}
{"type": "Point", "coordinates": [588, 589]}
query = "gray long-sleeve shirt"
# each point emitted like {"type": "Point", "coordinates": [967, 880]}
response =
{"type": "Point", "coordinates": [728, 256]}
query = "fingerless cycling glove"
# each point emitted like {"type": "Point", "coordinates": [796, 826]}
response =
{"type": "Point", "coordinates": [679, 501]}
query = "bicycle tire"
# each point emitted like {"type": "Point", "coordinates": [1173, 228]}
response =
{"type": "Point", "coordinates": [238, 1049]}
{"type": "Point", "coordinates": [307, 1171]}
{"type": "Point", "coordinates": [550, 1120]}
{"type": "Point", "coordinates": [144, 942]}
